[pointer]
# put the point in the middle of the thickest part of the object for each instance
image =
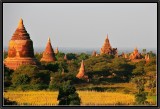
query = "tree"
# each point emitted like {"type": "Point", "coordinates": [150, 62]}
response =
{"type": "Point", "coordinates": [73, 66]}
{"type": "Point", "coordinates": [9, 102]}
{"type": "Point", "coordinates": [68, 95]}
{"type": "Point", "coordinates": [29, 77]}
{"type": "Point", "coordinates": [144, 51]}
{"type": "Point", "coordinates": [51, 66]}
{"type": "Point", "coordinates": [60, 56]}
{"type": "Point", "coordinates": [21, 79]}
{"type": "Point", "coordinates": [139, 68]}
{"type": "Point", "coordinates": [140, 95]}
{"type": "Point", "coordinates": [38, 56]}
{"type": "Point", "coordinates": [7, 76]}
{"type": "Point", "coordinates": [71, 56]}
{"type": "Point", "coordinates": [83, 56]}
{"type": "Point", "coordinates": [121, 69]}
{"type": "Point", "coordinates": [151, 54]}
{"type": "Point", "coordinates": [5, 54]}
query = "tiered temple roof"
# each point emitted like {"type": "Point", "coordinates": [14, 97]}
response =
{"type": "Point", "coordinates": [20, 49]}
{"type": "Point", "coordinates": [107, 49]}
{"type": "Point", "coordinates": [135, 55]}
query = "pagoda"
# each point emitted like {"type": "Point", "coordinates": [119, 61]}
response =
{"type": "Point", "coordinates": [56, 51]}
{"type": "Point", "coordinates": [135, 55]}
{"type": "Point", "coordinates": [107, 49]}
{"type": "Point", "coordinates": [48, 54]}
{"type": "Point", "coordinates": [65, 57]}
{"type": "Point", "coordinates": [94, 53]}
{"type": "Point", "coordinates": [147, 58]}
{"type": "Point", "coordinates": [81, 73]}
{"type": "Point", "coordinates": [20, 49]}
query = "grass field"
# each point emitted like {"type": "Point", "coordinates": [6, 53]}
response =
{"type": "Point", "coordinates": [48, 98]}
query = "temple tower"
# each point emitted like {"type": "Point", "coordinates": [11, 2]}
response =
{"type": "Point", "coordinates": [147, 58]}
{"type": "Point", "coordinates": [135, 55]}
{"type": "Point", "coordinates": [107, 49]}
{"type": "Point", "coordinates": [94, 53]}
{"type": "Point", "coordinates": [56, 51]}
{"type": "Point", "coordinates": [48, 54]}
{"type": "Point", "coordinates": [65, 57]}
{"type": "Point", "coordinates": [81, 71]}
{"type": "Point", "coordinates": [20, 49]}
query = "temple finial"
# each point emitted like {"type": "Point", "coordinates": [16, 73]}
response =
{"type": "Point", "coordinates": [107, 35]}
{"type": "Point", "coordinates": [136, 48]}
{"type": "Point", "coordinates": [20, 24]}
{"type": "Point", "coordinates": [49, 39]}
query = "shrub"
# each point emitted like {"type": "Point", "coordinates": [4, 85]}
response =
{"type": "Point", "coordinates": [9, 102]}
{"type": "Point", "coordinates": [68, 95]}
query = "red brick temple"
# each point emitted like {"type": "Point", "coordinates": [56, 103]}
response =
{"type": "Point", "coordinates": [48, 54]}
{"type": "Point", "coordinates": [107, 49]}
{"type": "Point", "coordinates": [20, 49]}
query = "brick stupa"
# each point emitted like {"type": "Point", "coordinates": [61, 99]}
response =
{"type": "Point", "coordinates": [107, 49]}
{"type": "Point", "coordinates": [56, 51]}
{"type": "Point", "coordinates": [147, 58]}
{"type": "Point", "coordinates": [94, 53]}
{"type": "Point", "coordinates": [20, 50]}
{"type": "Point", "coordinates": [135, 55]}
{"type": "Point", "coordinates": [48, 54]}
{"type": "Point", "coordinates": [65, 57]}
{"type": "Point", "coordinates": [81, 73]}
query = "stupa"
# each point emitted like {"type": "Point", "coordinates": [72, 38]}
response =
{"type": "Point", "coordinates": [107, 49]}
{"type": "Point", "coordinates": [20, 50]}
{"type": "Point", "coordinates": [81, 73]}
{"type": "Point", "coordinates": [135, 55]}
{"type": "Point", "coordinates": [56, 51]}
{"type": "Point", "coordinates": [48, 54]}
{"type": "Point", "coordinates": [147, 58]}
{"type": "Point", "coordinates": [94, 53]}
{"type": "Point", "coordinates": [65, 57]}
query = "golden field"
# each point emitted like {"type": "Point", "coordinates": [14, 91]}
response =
{"type": "Point", "coordinates": [49, 98]}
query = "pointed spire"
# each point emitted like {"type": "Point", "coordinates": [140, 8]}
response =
{"type": "Point", "coordinates": [65, 57]}
{"type": "Point", "coordinates": [147, 58]}
{"type": "Point", "coordinates": [20, 33]}
{"type": "Point", "coordinates": [81, 71]}
{"type": "Point", "coordinates": [56, 51]}
{"type": "Point", "coordinates": [107, 36]}
{"type": "Point", "coordinates": [20, 24]}
{"type": "Point", "coordinates": [49, 39]}
{"type": "Point", "coordinates": [82, 64]}
{"type": "Point", "coordinates": [94, 53]}
{"type": "Point", "coordinates": [136, 48]}
{"type": "Point", "coordinates": [48, 54]}
{"type": "Point", "coordinates": [106, 48]}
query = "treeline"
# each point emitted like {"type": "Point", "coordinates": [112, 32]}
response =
{"type": "Point", "coordinates": [101, 69]}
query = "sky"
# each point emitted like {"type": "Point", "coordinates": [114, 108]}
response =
{"type": "Point", "coordinates": [84, 25]}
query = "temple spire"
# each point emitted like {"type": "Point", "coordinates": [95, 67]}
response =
{"type": "Point", "coordinates": [81, 71]}
{"type": "Point", "coordinates": [20, 49]}
{"type": "Point", "coordinates": [56, 51]}
{"type": "Point", "coordinates": [48, 54]}
{"type": "Point", "coordinates": [107, 36]}
{"type": "Point", "coordinates": [20, 24]}
{"type": "Point", "coordinates": [49, 39]}
{"type": "Point", "coordinates": [65, 57]}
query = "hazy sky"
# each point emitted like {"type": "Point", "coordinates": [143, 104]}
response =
{"type": "Point", "coordinates": [84, 24]}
